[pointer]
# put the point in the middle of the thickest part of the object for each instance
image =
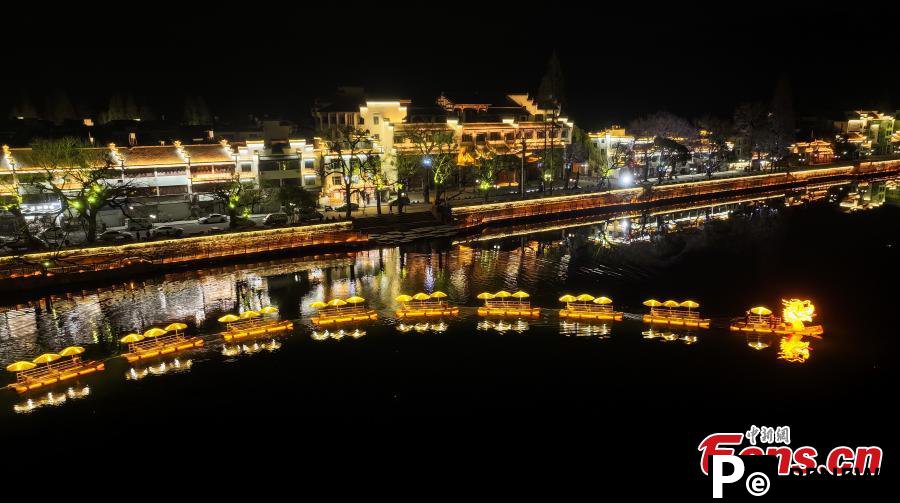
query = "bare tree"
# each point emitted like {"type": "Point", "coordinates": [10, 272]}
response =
{"type": "Point", "coordinates": [238, 199]}
{"type": "Point", "coordinates": [437, 150]}
{"type": "Point", "coordinates": [351, 152]}
{"type": "Point", "coordinates": [83, 179]}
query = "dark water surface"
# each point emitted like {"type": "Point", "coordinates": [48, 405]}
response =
{"type": "Point", "coordinates": [572, 389]}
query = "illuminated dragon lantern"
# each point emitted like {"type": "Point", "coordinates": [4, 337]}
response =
{"type": "Point", "coordinates": [796, 312]}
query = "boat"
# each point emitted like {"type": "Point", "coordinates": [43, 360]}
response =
{"type": "Point", "coordinates": [252, 324]}
{"type": "Point", "coordinates": [674, 313]}
{"type": "Point", "coordinates": [158, 342]}
{"type": "Point", "coordinates": [795, 315]}
{"type": "Point", "coordinates": [424, 305]}
{"type": "Point", "coordinates": [51, 368]}
{"type": "Point", "coordinates": [337, 311]}
{"type": "Point", "coordinates": [588, 307]}
{"type": "Point", "coordinates": [499, 304]}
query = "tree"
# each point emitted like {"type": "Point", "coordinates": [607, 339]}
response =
{"type": "Point", "coordinates": [751, 124]}
{"type": "Point", "coordinates": [436, 150]}
{"type": "Point", "coordinates": [351, 153]}
{"type": "Point", "coordinates": [489, 164]}
{"type": "Point", "coordinates": [714, 142]}
{"type": "Point", "coordinates": [84, 180]}
{"type": "Point", "coordinates": [374, 174]}
{"type": "Point", "coordinates": [238, 199]}
{"type": "Point", "coordinates": [664, 126]}
{"type": "Point", "coordinates": [295, 199]}
{"type": "Point", "coordinates": [552, 87]}
{"type": "Point", "coordinates": [581, 150]}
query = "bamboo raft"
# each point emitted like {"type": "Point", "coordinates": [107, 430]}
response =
{"type": "Point", "coordinates": [761, 320]}
{"type": "Point", "coordinates": [588, 307]}
{"type": "Point", "coordinates": [251, 324]}
{"type": "Point", "coordinates": [51, 368]}
{"type": "Point", "coordinates": [158, 342]}
{"type": "Point", "coordinates": [497, 304]}
{"type": "Point", "coordinates": [337, 311]}
{"type": "Point", "coordinates": [423, 305]}
{"type": "Point", "coordinates": [671, 313]}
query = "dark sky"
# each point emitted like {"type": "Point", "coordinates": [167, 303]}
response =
{"type": "Point", "coordinates": [618, 64]}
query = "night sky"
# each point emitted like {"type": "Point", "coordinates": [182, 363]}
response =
{"type": "Point", "coordinates": [618, 65]}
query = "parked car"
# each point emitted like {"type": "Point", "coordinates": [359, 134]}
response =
{"type": "Point", "coordinates": [214, 218]}
{"type": "Point", "coordinates": [115, 237]}
{"type": "Point", "coordinates": [54, 236]}
{"type": "Point", "coordinates": [244, 222]}
{"type": "Point", "coordinates": [311, 215]}
{"type": "Point", "coordinates": [342, 208]}
{"type": "Point", "coordinates": [167, 231]}
{"type": "Point", "coordinates": [275, 219]}
{"type": "Point", "coordinates": [139, 224]}
{"type": "Point", "coordinates": [20, 244]}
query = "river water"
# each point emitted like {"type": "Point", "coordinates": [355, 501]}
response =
{"type": "Point", "coordinates": [607, 375]}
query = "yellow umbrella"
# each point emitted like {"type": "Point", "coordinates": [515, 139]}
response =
{"type": "Point", "coordinates": [72, 351]}
{"type": "Point", "coordinates": [336, 302]}
{"type": "Point", "coordinates": [154, 332]}
{"type": "Point", "coordinates": [485, 296]}
{"type": "Point", "coordinates": [318, 304]}
{"type": "Point", "coordinates": [269, 310]}
{"type": "Point", "coordinates": [690, 304]}
{"type": "Point", "coordinates": [671, 303]}
{"type": "Point", "coordinates": [403, 298]}
{"type": "Point", "coordinates": [438, 295]}
{"type": "Point", "coordinates": [502, 294]}
{"type": "Point", "coordinates": [131, 338]}
{"type": "Point", "coordinates": [421, 296]}
{"type": "Point", "coordinates": [20, 366]}
{"type": "Point", "coordinates": [761, 311]}
{"type": "Point", "coordinates": [176, 326]}
{"type": "Point", "coordinates": [520, 295]}
{"type": "Point", "coordinates": [355, 300]}
{"type": "Point", "coordinates": [568, 298]}
{"type": "Point", "coordinates": [585, 297]}
{"type": "Point", "coordinates": [246, 315]}
{"type": "Point", "coordinates": [652, 303]}
{"type": "Point", "coordinates": [603, 300]}
{"type": "Point", "coordinates": [229, 318]}
{"type": "Point", "coordinates": [47, 358]}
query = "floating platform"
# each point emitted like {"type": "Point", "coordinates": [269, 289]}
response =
{"type": "Point", "coordinates": [427, 312]}
{"type": "Point", "coordinates": [525, 311]}
{"type": "Point", "coordinates": [166, 348]}
{"type": "Point", "coordinates": [241, 332]}
{"type": "Point", "coordinates": [676, 321]}
{"type": "Point", "coordinates": [575, 314]}
{"type": "Point", "coordinates": [42, 377]}
{"type": "Point", "coordinates": [326, 319]}
{"type": "Point", "coordinates": [777, 328]}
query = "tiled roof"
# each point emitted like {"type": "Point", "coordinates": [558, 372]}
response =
{"type": "Point", "coordinates": [157, 155]}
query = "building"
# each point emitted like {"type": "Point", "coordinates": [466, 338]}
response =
{"type": "Point", "coordinates": [871, 131]}
{"type": "Point", "coordinates": [175, 180]}
{"type": "Point", "coordinates": [812, 152]}
{"type": "Point", "coordinates": [478, 125]}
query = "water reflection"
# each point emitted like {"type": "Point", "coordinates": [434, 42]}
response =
{"type": "Point", "coordinates": [794, 349]}
{"type": "Point", "coordinates": [172, 366]}
{"type": "Point", "coordinates": [503, 326]}
{"type": "Point", "coordinates": [423, 327]}
{"type": "Point", "coordinates": [249, 348]}
{"type": "Point", "coordinates": [337, 334]}
{"type": "Point", "coordinates": [581, 329]}
{"type": "Point", "coordinates": [686, 337]}
{"type": "Point", "coordinates": [51, 399]}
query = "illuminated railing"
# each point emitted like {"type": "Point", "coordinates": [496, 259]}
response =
{"type": "Point", "coordinates": [479, 214]}
{"type": "Point", "coordinates": [175, 251]}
